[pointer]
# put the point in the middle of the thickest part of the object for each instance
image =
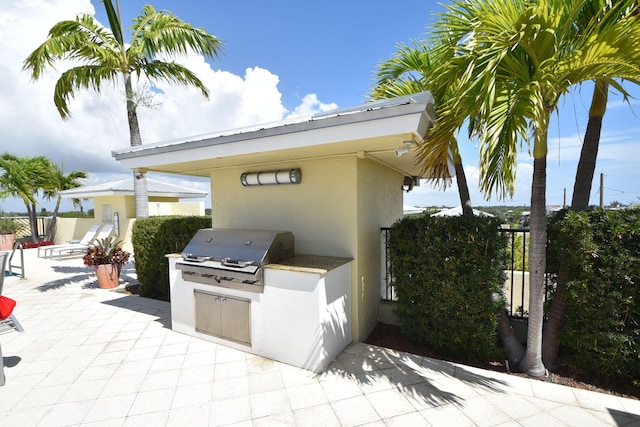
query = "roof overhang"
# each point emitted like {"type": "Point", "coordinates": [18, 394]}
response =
{"type": "Point", "coordinates": [374, 130]}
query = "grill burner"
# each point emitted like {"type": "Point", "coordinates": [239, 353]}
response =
{"type": "Point", "coordinates": [233, 258]}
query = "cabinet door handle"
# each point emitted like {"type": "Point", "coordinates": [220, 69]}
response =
{"type": "Point", "coordinates": [224, 300]}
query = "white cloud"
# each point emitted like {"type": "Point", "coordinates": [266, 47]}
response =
{"type": "Point", "coordinates": [311, 105]}
{"type": "Point", "coordinates": [31, 125]}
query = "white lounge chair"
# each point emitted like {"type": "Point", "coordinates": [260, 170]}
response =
{"type": "Point", "coordinates": [104, 232]}
{"type": "Point", "coordinates": [86, 239]}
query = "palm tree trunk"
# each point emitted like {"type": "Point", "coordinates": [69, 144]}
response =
{"type": "Point", "coordinates": [589, 153]}
{"type": "Point", "coordinates": [140, 192]}
{"type": "Point", "coordinates": [33, 222]}
{"type": "Point", "coordinates": [461, 180]}
{"type": "Point", "coordinates": [579, 202]}
{"type": "Point", "coordinates": [532, 362]}
{"type": "Point", "coordinates": [553, 325]}
{"type": "Point", "coordinates": [52, 224]}
{"type": "Point", "coordinates": [508, 337]}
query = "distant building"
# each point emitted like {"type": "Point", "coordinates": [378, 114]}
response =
{"type": "Point", "coordinates": [457, 211]}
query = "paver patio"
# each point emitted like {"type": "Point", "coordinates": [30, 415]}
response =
{"type": "Point", "coordinates": [96, 357]}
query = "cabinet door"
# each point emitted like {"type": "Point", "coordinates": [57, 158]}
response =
{"type": "Point", "coordinates": [236, 319]}
{"type": "Point", "coordinates": [207, 313]}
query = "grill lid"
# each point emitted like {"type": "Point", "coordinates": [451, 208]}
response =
{"type": "Point", "coordinates": [239, 248]}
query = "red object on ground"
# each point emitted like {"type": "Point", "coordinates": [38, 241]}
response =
{"type": "Point", "coordinates": [6, 307]}
{"type": "Point", "coordinates": [29, 245]}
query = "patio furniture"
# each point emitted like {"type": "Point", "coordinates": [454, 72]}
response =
{"type": "Point", "coordinates": [104, 232]}
{"type": "Point", "coordinates": [89, 236]}
{"type": "Point", "coordinates": [9, 324]}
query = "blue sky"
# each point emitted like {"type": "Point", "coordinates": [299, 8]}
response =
{"type": "Point", "coordinates": [279, 59]}
{"type": "Point", "coordinates": [329, 47]}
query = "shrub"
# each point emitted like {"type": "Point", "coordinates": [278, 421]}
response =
{"type": "Point", "coordinates": [8, 226]}
{"type": "Point", "coordinates": [155, 237]}
{"type": "Point", "coordinates": [447, 272]}
{"type": "Point", "coordinates": [600, 250]}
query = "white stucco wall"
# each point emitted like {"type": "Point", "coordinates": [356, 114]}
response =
{"type": "Point", "coordinates": [379, 205]}
{"type": "Point", "coordinates": [338, 199]}
{"type": "Point", "coordinates": [72, 229]}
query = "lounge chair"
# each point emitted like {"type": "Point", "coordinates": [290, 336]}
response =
{"type": "Point", "coordinates": [9, 324]}
{"type": "Point", "coordinates": [86, 239]}
{"type": "Point", "coordinates": [104, 232]}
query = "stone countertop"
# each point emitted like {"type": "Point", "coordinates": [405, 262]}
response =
{"type": "Point", "coordinates": [314, 264]}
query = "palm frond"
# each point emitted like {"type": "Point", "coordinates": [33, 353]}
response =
{"type": "Point", "coordinates": [81, 77]}
{"type": "Point", "coordinates": [514, 60]}
{"type": "Point", "coordinates": [172, 72]}
{"type": "Point", "coordinates": [156, 33]}
{"type": "Point", "coordinates": [82, 40]}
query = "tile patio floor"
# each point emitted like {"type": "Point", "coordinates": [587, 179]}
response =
{"type": "Point", "coordinates": [92, 357]}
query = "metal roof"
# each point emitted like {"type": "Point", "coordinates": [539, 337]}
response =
{"type": "Point", "coordinates": [124, 187]}
{"type": "Point", "coordinates": [374, 130]}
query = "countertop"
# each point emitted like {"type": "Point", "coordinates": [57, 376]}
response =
{"type": "Point", "coordinates": [315, 264]}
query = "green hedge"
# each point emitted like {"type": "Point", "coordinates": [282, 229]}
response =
{"type": "Point", "coordinates": [447, 271]}
{"type": "Point", "coordinates": [155, 237]}
{"type": "Point", "coordinates": [601, 253]}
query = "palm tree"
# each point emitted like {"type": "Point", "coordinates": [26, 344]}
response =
{"type": "Point", "coordinates": [582, 184]}
{"type": "Point", "coordinates": [25, 177]}
{"type": "Point", "coordinates": [106, 57]}
{"type": "Point", "coordinates": [410, 71]}
{"type": "Point", "coordinates": [512, 63]}
{"type": "Point", "coordinates": [589, 152]}
{"type": "Point", "coordinates": [61, 181]}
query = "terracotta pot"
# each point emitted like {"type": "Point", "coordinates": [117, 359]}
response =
{"type": "Point", "coordinates": [108, 275]}
{"type": "Point", "coordinates": [7, 241]}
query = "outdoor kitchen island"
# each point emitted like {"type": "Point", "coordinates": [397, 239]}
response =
{"type": "Point", "coordinates": [301, 317]}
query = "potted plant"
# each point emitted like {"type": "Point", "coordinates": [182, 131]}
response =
{"type": "Point", "coordinates": [8, 228]}
{"type": "Point", "coordinates": [106, 256]}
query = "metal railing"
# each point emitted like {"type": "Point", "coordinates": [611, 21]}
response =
{"type": "Point", "coordinates": [516, 286]}
{"type": "Point", "coordinates": [17, 246]}
{"type": "Point", "coordinates": [387, 289]}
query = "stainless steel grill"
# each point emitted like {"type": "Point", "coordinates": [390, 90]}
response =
{"type": "Point", "coordinates": [233, 258]}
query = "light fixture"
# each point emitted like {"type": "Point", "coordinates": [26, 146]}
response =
{"type": "Point", "coordinates": [139, 173]}
{"type": "Point", "coordinates": [409, 182]}
{"type": "Point", "coordinates": [401, 151]}
{"type": "Point", "coordinates": [281, 176]}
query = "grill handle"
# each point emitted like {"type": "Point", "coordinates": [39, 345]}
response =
{"type": "Point", "coordinates": [235, 263]}
{"type": "Point", "coordinates": [195, 258]}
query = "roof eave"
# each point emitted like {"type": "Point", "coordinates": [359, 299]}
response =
{"type": "Point", "coordinates": [406, 121]}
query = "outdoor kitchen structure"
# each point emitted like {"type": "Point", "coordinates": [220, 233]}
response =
{"type": "Point", "coordinates": [290, 268]}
